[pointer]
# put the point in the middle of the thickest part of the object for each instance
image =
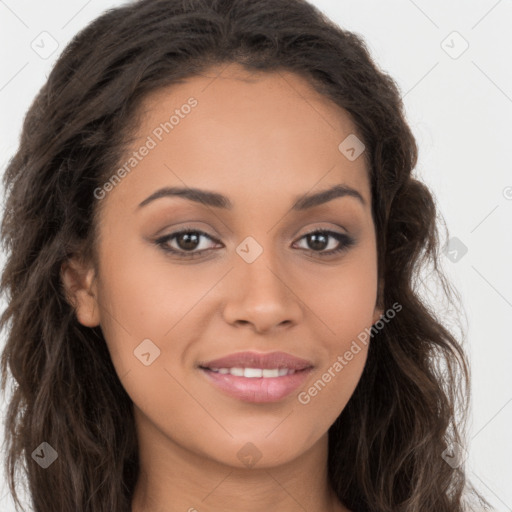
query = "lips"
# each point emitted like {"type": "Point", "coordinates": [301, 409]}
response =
{"type": "Point", "coordinates": [257, 360]}
{"type": "Point", "coordinates": [255, 377]}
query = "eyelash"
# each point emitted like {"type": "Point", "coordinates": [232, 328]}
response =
{"type": "Point", "coordinates": [344, 240]}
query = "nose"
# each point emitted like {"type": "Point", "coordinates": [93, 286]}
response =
{"type": "Point", "coordinates": [260, 294]}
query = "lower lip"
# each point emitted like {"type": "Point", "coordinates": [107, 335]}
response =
{"type": "Point", "coordinates": [257, 389]}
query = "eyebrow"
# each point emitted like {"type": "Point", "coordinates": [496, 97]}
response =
{"type": "Point", "coordinates": [217, 200]}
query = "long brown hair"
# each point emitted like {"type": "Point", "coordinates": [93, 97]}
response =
{"type": "Point", "coordinates": [385, 449]}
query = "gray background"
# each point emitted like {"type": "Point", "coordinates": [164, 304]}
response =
{"type": "Point", "coordinates": [459, 105]}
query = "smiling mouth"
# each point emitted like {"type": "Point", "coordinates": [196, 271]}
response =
{"type": "Point", "coordinates": [256, 385]}
{"type": "Point", "coordinates": [254, 373]}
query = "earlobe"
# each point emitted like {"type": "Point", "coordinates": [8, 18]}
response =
{"type": "Point", "coordinates": [80, 292]}
{"type": "Point", "coordinates": [379, 310]}
{"type": "Point", "coordinates": [377, 314]}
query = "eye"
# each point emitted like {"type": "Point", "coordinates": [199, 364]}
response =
{"type": "Point", "coordinates": [319, 240]}
{"type": "Point", "coordinates": [190, 243]}
{"type": "Point", "coordinates": [187, 241]}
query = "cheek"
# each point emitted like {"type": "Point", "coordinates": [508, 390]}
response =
{"type": "Point", "coordinates": [344, 297]}
{"type": "Point", "coordinates": [145, 296]}
{"type": "Point", "coordinates": [347, 312]}
{"type": "Point", "coordinates": [345, 304]}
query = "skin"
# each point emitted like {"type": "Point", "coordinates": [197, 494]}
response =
{"type": "Point", "coordinates": [262, 140]}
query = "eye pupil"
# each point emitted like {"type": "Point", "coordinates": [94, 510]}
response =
{"type": "Point", "coordinates": [190, 240]}
{"type": "Point", "coordinates": [318, 241]}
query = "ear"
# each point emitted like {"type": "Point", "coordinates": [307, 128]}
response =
{"type": "Point", "coordinates": [379, 308]}
{"type": "Point", "coordinates": [377, 313]}
{"type": "Point", "coordinates": [81, 291]}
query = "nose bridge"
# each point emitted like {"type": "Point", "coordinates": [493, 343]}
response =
{"type": "Point", "coordinates": [261, 294]}
{"type": "Point", "coordinates": [258, 265]}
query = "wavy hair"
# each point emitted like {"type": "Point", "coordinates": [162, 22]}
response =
{"type": "Point", "coordinates": [411, 401]}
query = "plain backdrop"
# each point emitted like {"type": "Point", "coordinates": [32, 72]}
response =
{"type": "Point", "coordinates": [452, 63]}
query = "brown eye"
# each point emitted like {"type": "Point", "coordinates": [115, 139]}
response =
{"type": "Point", "coordinates": [319, 240]}
{"type": "Point", "coordinates": [186, 243]}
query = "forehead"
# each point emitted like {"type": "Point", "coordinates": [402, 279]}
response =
{"type": "Point", "coordinates": [239, 129]}
{"type": "Point", "coordinates": [233, 97]}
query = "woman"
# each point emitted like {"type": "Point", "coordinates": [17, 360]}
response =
{"type": "Point", "coordinates": [213, 237]}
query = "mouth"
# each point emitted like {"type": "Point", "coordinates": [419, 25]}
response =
{"type": "Point", "coordinates": [257, 378]}
{"type": "Point", "coordinates": [255, 373]}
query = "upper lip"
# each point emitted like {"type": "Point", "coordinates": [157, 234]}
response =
{"type": "Point", "coordinates": [258, 360]}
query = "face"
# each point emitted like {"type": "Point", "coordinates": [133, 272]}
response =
{"type": "Point", "coordinates": [247, 277]}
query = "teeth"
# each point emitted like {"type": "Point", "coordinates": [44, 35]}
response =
{"type": "Point", "coordinates": [252, 373]}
